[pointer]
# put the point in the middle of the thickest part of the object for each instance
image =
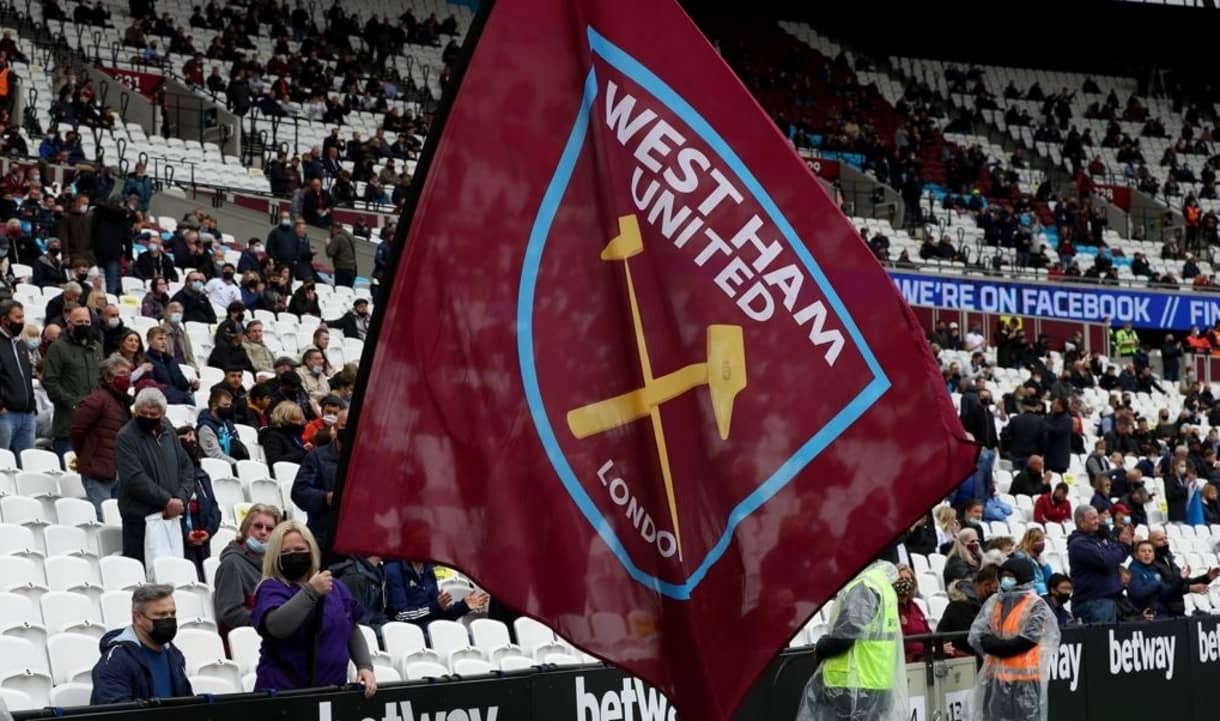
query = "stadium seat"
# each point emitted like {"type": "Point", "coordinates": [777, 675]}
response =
{"type": "Point", "coordinates": [18, 540]}
{"type": "Point", "coordinates": [471, 667]}
{"type": "Point", "coordinates": [28, 512]}
{"type": "Point", "coordinates": [70, 695]}
{"type": "Point", "coordinates": [81, 514]}
{"type": "Point", "coordinates": [217, 469]}
{"type": "Point", "coordinates": [67, 541]}
{"type": "Point", "coordinates": [267, 492]}
{"type": "Point", "coordinates": [193, 611]}
{"type": "Point", "coordinates": [370, 639]}
{"type": "Point", "coordinates": [244, 648]}
{"type": "Point", "coordinates": [65, 611]}
{"type": "Point", "coordinates": [404, 642]}
{"type": "Point", "coordinates": [116, 608]}
{"type": "Point", "coordinates": [16, 700]}
{"type": "Point", "coordinates": [516, 663]}
{"type": "Point", "coordinates": [447, 637]}
{"type": "Point", "coordinates": [285, 471]}
{"type": "Point", "coordinates": [531, 634]}
{"type": "Point", "coordinates": [177, 572]}
{"type": "Point", "coordinates": [110, 513]}
{"type": "Point", "coordinates": [121, 573]}
{"type": "Point", "coordinates": [250, 471]}
{"type": "Point", "coordinates": [210, 565]}
{"type": "Point", "coordinates": [42, 487]}
{"type": "Point", "coordinates": [205, 656]}
{"type": "Point", "coordinates": [385, 674]}
{"type": "Point", "coordinates": [21, 618]}
{"type": "Point", "coordinates": [36, 460]}
{"type": "Point", "coordinates": [78, 574]}
{"type": "Point", "coordinates": [71, 486]}
{"type": "Point", "coordinates": [213, 685]}
{"type": "Point", "coordinates": [229, 493]}
{"type": "Point", "coordinates": [562, 659]}
{"type": "Point", "coordinates": [23, 576]}
{"type": "Point", "coordinates": [73, 656]}
{"type": "Point", "coordinates": [418, 670]}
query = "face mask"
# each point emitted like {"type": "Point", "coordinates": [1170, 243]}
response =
{"type": "Point", "coordinates": [1008, 583]}
{"type": "Point", "coordinates": [227, 275]}
{"type": "Point", "coordinates": [154, 249]}
{"type": "Point", "coordinates": [113, 322]}
{"type": "Point", "coordinates": [53, 252]}
{"type": "Point", "coordinates": [224, 412]}
{"type": "Point", "coordinates": [286, 222]}
{"type": "Point", "coordinates": [166, 235]}
{"type": "Point", "coordinates": [1126, 520]}
{"type": "Point", "coordinates": [82, 333]}
{"type": "Point", "coordinates": [316, 370]}
{"type": "Point", "coordinates": [256, 545]}
{"type": "Point", "coordinates": [148, 425]}
{"type": "Point", "coordinates": [1109, 523]}
{"type": "Point", "coordinates": [362, 313]}
{"type": "Point", "coordinates": [175, 318]}
{"type": "Point", "coordinates": [1039, 547]}
{"type": "Point", "coordinates": [197, 286]}
{"type": "Point", "coordinates": [15, 329]}
{"type": "Point", "coordinates": [163, 630]}
{"type": "Point", "coordinates": [256, 249]}
{"type": "Point", "coordinates": [121, 383]}
{"type": "Point", "coordinates": [83, 277]}
{"type": "Point", "coordinates": [1161, 551]}
{"type": "Point", "coordinates": [33, 343]}
{"type": "Point", "coordinates": [1063, 597]}
{"type": "Point", "coordinates": [904, 587]}
{"type": "Point", "coordinates": [330, 420]}
{"type": "Point", "coordinates": [295, 565]}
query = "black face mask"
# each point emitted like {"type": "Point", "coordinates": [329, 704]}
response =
{"type": "Point", "coordinates": [295, 565]}
{"type": "Point", "coordinates": [224, 412]}
{"type": "Point", "coordinates": [15, 329]}
{"type": "Point", "coordinates": [148, 425]}
{"type": "Point", "coordinates": [227, 275]}
{"type": "Point", "coordinates": [82, 333]}
{"type": "Point", "coordinates": [163, 630]}
{"type": "Point", "coordinates": [52, 252]}
{"type": "Point", "coordinates": [1161, 551]}
{"type": "Point", "coordinates": [82, 277]}
{"type": "Point", "coordinates": [1063, 598]}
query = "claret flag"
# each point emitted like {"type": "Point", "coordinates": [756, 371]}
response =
{"type": "Point", "coordinates": [635, 373]}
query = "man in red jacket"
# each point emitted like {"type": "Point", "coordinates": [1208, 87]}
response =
{"type": "Point", "coordinates": [1053, 507]}
{"type": "Point", "coordinates": [95, 426]}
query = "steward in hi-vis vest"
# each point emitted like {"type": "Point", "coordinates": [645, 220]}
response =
{"type": "Point", "coordinates": [861, 673]}
{"type": "Point", "coordinates": [1018, 636]}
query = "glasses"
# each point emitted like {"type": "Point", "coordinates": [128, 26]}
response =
{"type": "Point", "coordinates": [262, 526]}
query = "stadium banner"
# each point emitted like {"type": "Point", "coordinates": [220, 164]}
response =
{"type": "Point", "coordinates": [1069, 688]}
{"type": "Point", "coordinates": [1158, 310]}
{"type": "Point", "coordinates": [823, 168]}
{"type": "Point", "coordinates": [634, 359]}
{"type": "Point", "coordinates": [1119, 195]}
{"type": "Point", "coordinates": [146, 84]}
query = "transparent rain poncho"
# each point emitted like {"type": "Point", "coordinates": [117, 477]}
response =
{"type": "Point", "coordinates": [868, 681]}
{"type": "Point", "coordinates": [1014, 688]}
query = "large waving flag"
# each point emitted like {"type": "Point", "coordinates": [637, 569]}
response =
{"type": "Point", "coordinates": [636, 374]}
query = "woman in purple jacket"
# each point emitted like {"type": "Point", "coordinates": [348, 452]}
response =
{"type": "Point", "coordinates": [308, 620]}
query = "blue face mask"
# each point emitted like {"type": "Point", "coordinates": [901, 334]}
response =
{"type": "Point", "coordinates": [196, 285]}
{"type": "Point", "coordinates": [166, 235]}
{"type": "Point", "coordinates": [1008, 583]}
{"type": "Point", "coordinates": [26, 227]}
{"type": "Point", "coordinates": [255, 545]}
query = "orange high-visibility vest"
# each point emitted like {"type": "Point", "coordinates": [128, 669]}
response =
{"type": "Point", "coordinates": [4, 82]}
{"type": "Point", "coordinates": [1026, 666]}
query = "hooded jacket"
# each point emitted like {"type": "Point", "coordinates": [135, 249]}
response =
{"type": "Point", "coordinates": [237, 576]}
{"type": "Point", "coordinates": [1094, 560]}
{"type": "Point", "coordinates": [121, 674]}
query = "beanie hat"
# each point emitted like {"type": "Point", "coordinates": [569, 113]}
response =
{"type": "Point", "coordinates": [1019, 568]}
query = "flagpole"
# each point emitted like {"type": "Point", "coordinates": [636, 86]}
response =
{"type": "Point", "coordinates": [411, 202]}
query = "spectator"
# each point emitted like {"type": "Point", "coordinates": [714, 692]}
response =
{"type": "Point", "coordinates": [414, 596]}
{"type": "Point", "coordinates": [1033, 543]}
{"type": "Point", "coordinates": [1168, 568]}
{"type": "Point", "coordinates": [341, 249]}
{"type": "Point", "coordinates": [288, 389]}
{"type": "Point", "coordinates": [166, 372]}
{"type": "Point", "coordinates": [910, 615]}
{"type": "Point", "coordinates": [1033, 481]}
{"type": "Point", "coordinates": [1171, 355]}
{"type": "Point", "coordinates": [95, 428]}
{"type": "Point", "coordinates": [305, 301]}
{"type": "Point", "coordinates": [241, 568]}
{"type": "Point", "coordinates": [1059, 594]}
{"type": "Point", "coordinates": [282, 440]}
{"type": "Point", "coordinates": [202, 517]}
{"type": "Point", "coordinates": [292, 587]}
{"type": "Point", "coordinates": [140, 185]}
{"type": "Point", "coordinates": [154, 472]}
{"type": "Point", "coordinates": [258, 402]}
{"type": "Point", "coordinates": [17, 404]}
{"type": "Point", "coordinates": [355, 322]}
{"type": "Point", "coordinates": [156, 300]}
{"type": "Point", "coordinates": [947, 527]}
{"type": "Point", "coordinates": [1101, 494]}
{"type": "Point", "coordinates": [283, 244]}
{"type": "Point", "coordinates": [321, 341]}
{"type": "Point", "coordinates": [964, 559]}
{"type": "Point", "coordinates": [966, 597]}
{"type": "Point", "coordinates": [313, 378]}
{"type": "Point", "coordinates": [331, 406]}
{"type": "Point", "coordinates": [54, 312]}
{"type": "Point", "coordinates": [972, 517]}
{"type": "Point", "coordinates": [232, 382]}
{"type": "Point", "coordinates": [217, 434]}
{"type": "Point", "coordinates": [259, 355]}
{"type": "Point", "coordinates": [112, 242]}
{"type": "Point", "coordinates": [49, 269]}
{"type": "Point", "coordinates": [178, 341]}
{"type": "Point", "coordinates": [112, 329]}
{"type": "Point", "coordinates": [364, 576]}
{"type": "Point", "coordinates": [314, 486]}
{"type": "Point", "coordinates": [1057, 437]}
{"type": "Point", "coordinates": [229, 351]}
{"type": "Point", "coordinates": [195, 305]}
{"type": "Point", "coordinates": [153, 263]}
{"type": "Point", "coordinates": [75, 231]}
{"type": "Point", "coordinates": [1053, 507]}
{"type": "Point", "coordinates": [1177, 484]}
{"type": "Point", "coordinates": [1094, 560]}
{"type": "Point", "coordinates": [139, 662]}
{"type": "Point", "coordinates": [1022, 437]}
{"type": "Point", "coordinates": [223, 291]}
{"type": "Point", "coordinates": [70, 372]}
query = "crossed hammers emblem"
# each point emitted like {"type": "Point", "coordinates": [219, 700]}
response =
{"type": "Point", "coordinates": [724, 374]}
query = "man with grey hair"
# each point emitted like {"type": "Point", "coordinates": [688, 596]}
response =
{"type": "Point", "coordinates": [155, 474]}
{"type": "Point", "coordinates": [139, 662]}
{"type": "Point", "coordinates": [195, 305]}
{"type": "Point", "coordinates": [174, 326]}
{"type": "Point", "coordinates": [55, 306]}
{"type": "Point", "coordinates": [1095, 559]}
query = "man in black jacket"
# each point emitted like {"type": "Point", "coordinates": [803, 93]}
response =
{"type": "Point", "coordinates": [1023, 434]}
{"type": "Point", "coordinates": [112, 242]}
{"type": "Point", "coordinates": [49, 269]}
{"type": "Point", "coordinates": [17, 404]}
{"type": "Point", "coordinates": [195, 305]}
{"type": "Point", "coordinates": [355, 322]}
{"type": "Point", "coordinates": [152, 263]}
